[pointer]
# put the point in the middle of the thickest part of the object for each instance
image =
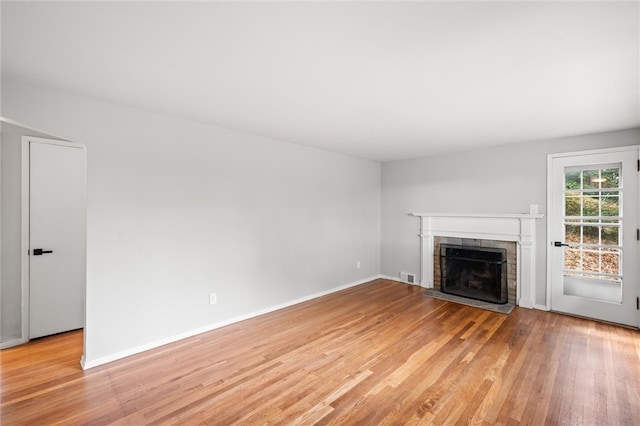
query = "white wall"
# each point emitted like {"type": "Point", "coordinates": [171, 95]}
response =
{"type": "Point", "coordinates": [10, 289]}
{"type": "Point", "coordinates": [500, 179]}
{"type": "Point", "coordinates": [178, 209]}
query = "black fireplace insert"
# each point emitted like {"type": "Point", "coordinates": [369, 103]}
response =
{"type": "Point", "coordinates": [475, 272]}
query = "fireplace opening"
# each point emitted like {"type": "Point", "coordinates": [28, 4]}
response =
{"type": "Point", "coordinates": [475, 272]}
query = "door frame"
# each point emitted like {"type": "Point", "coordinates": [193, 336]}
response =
{"type": "Point", "coordinates": [25, 258]}
{"type": "Point", "coordinates": [550, 158]}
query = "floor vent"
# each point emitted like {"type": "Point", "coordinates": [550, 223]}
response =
{"type": "Point", "coordinates": [409, 278]}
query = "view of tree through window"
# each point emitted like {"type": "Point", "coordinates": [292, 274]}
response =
{"type": "Point", "coordinates": [592, 223]}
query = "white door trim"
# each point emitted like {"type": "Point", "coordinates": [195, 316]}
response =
{"type": "Point", "coordinates": [25, 258]}
{"type": "Point", "coordinates": [550, 158]}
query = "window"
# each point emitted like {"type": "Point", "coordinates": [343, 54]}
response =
{"type": "Point", "coordinates": [592, 222]}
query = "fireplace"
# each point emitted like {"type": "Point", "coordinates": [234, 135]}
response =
{"type": "Point", "coordinates": [474, 272]}
{"type": "Point", "coordinates": [485, 248]}
{"type": "Point", "coordinates": [517, 228]}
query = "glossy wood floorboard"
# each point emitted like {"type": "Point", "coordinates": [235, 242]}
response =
{"type": "Point", "coordinates": [378, 353]}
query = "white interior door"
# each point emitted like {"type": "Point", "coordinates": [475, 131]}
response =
{"type": "Point", "coordinates": [56, 238]}
{"type": "Point", "coordinates": [593, 227]}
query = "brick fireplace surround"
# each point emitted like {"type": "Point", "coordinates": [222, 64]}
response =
{"type": "Point", "coordinates": [518, 228]}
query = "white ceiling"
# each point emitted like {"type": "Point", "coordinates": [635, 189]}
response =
{"type": "Point", "coordinates": [375, 80]}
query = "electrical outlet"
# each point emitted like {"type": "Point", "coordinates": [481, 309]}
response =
{"type": "Point", "coordinates": [213, 298]}
{"type": "Point", "coordinates": [358, 264]}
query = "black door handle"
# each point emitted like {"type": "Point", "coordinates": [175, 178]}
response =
{"type": "Point", "coordinates": [559, 244]}
{"type": "Point", "coordinates": [40, 252]}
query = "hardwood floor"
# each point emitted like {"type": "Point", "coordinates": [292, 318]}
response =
{"type": "Point", "coordinates": [379, 353]}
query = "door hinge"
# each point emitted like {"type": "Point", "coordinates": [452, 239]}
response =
{"type": "Point", "coordinates": [639, 165]}
{"type": "Point", "coordinates": [637, 303]}
{"type": "Point", "coordinates": [638, 234]}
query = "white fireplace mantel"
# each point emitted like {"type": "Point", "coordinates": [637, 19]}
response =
{"type": "Point", "coordinates": [519, 227]}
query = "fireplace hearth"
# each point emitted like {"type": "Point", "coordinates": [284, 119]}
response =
{"type": "Point", "coordinates": [475, 272]}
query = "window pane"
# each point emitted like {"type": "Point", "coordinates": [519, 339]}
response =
{"type": "Point", "coordinates": [610, 235]}
{"type": "Point", "coordinates": [572, 180]}
{"type": "Point", "coordinates": [591, 205]}
{"type": "Point", "coordinates": [572, 259]}
{"type": "Point", "coordinates": [590, 179]}
{"type": "Point", "coordinates": [572, 205]}
{"type": "Point", "coordinates": [591, 234]}
{"type": "Point", "coordinates": [572, 234]}
{"type": "Point", "coordinates": [611, 261]}
{"type": "Point", "coordinates": [590, 261]}
{"type": "Point", "coordinates": [611, 178]}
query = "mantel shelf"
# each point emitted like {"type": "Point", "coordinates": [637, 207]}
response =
{"type": "Point", "coordinates": [482, 215]}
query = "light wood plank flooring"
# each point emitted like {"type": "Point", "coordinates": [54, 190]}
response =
{"type": "Point", "coordinates": [379, 353]}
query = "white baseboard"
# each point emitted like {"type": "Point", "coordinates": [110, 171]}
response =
{"type": "Point", "coordinates": [530, 305]}
{"type": "Point", "coordinates": [524, 303]}
{"type": "Point", "coordinates": [541, 307]}
{"type": "Point", "coordinates": [86, 364]}
{"type": "Point", "coordinates": [11, 343]}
